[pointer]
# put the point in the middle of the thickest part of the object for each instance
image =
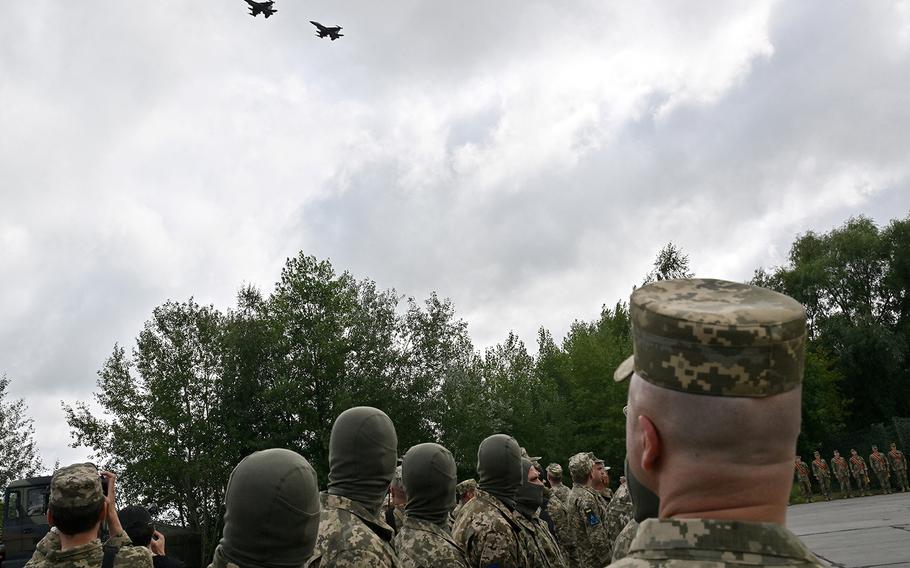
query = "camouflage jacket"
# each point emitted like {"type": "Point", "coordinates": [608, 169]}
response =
{"type": "Point", "coordinates": [898, 461]}
{"type": "Point", "coordinates": [562, 492]}
{"type": "Point", "coordinates": [487, 533]}
{"type": "Point", "coordinates": [542, 550]}
{"type": "Point", "coordinates": [556, 507]}
{"type": "Point", "coordinates": [619, 512]}
{"type": "Point", "coordinates": [840, 466]}
{"type": "Point", "coordinates": [624, 540]}
{"type": "Point", "coordinates": [878, 462]}
{"type": "Point", "coordinates": [857, 466]}
{"type": "Point", "coordinates": [422, 544]}
{"type": "Point", "coordinates": [820, 469]}
{"type": "Point", "coordinates": [589, 542]}
{"type": "Point", "coordinates": [350, 536]}
{"type": "Point", "coordinates": [802, 470]}
{"type": "Point", "coordinates": [48, 554]}
{"type": "Point", "coordinates": [705, 542]}
{"type": "Point", "coordinates": [219, 561]}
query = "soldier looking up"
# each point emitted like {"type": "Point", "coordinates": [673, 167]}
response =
{"type": "Point", "coordinates": [588, 543]}
{"type": "Point", "coordinates": [429, 475]}
{"type": "Point", "coordinates": [271, 513]}
{"type": "Point", "coordinates": [363, 450]}
{"type": "Point", "coordinates": [714, 414]}
{"type": "Point", "coordinates": [556, 505]}
{"type": "Point", "coordinates": [485, 528]}
{"type": "Point", "coordinates": [543, 552]}
{"type": "Point", "coordinates": [76, 508]}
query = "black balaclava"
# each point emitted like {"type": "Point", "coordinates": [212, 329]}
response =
{"type": "Point", "coordinates": [429, 476]}
{"type": "Point", "coordinates": [499, 467]}
{"type": "Point", "coordinates": [363, 452]}
{"type": "Point", "coordinates": [271, 516]}
{"type": "Point", "coordinates": [530, 496]}
{"type": "Point", "coordinates": [645, 503]}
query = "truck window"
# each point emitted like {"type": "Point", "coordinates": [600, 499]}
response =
{"type": "Point", "coordinates": [36, 502]}
{"type": "Point", "coordinates": [12, 505]}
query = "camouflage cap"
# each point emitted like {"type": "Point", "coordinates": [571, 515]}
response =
{"type": "Point", "coordinates": [76, 485]}
{"type": "Point", "coordinates": [716, 337]}
{"type": "Point", "coordinates": [554, 469]}
{"type": "Point", "coordinates": [581, 464]}
{"type": "Point", "coordinates": [465, 486]}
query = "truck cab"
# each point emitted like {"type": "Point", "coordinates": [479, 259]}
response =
{"type": "Point", "coordinates": [24, 519]}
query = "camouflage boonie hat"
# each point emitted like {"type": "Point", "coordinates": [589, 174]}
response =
{"type": "Point", "coordinates": [554, 469]}
{"type": "Point", "coordinates": [716, 337]}
{"type": "Point", "coordinates": [582, 463]}
{"type": "Point", "coordinates": [465, 486]}
{"type": "Point", "coordinates": [77, 485]}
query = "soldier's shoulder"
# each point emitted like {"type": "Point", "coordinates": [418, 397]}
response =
{"type": "Point", "coordinates": [133, 557]}
{"type": "Point", "coordinates": [358, 558]}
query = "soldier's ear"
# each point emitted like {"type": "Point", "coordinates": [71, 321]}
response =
{"type": "Point", "coordinates": [651, 446]}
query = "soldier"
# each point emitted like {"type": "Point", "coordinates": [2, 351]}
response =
{"type": "Point", "coordinates": [394, 512]}
{"type": "Point", "coordinates": [76, 507]}
{"type": "Point", "coordinates": [556, 506]}
{"type": "Point", "coordinates": [605, 490]}
{"type": "Point", "coordinates": [425, 541]}
{"type": "Point", "coordinates": [822, 474]}
{"type": "Point", "coordinates": [714, 414]}
{"type": "Point", "coordinates": [271, 512]}
{"type": "Point", "coordinates": [464, 492]}
{"type": "Point", "coordinates": [485, 529]}
{"type": "Point", "coordinates": [588, 542]}
{"type": "Point", "coordinates": [802, 477]}
{"type": "Point", "coordinates": [899, 465]}
{"type": "Point", "coordinates": [624, 540]}
{"type": "Point", "coordinates": [541, 547]}
{"type": "Point", "coordinates": [859, 471]}
{"type": "Point", "coordinates": [879, 464]}
{"type": "Point", "coordinates": [363, 449]}
{"type": "Point", "coordinates": [842, 472]}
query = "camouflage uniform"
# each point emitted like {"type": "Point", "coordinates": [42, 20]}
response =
{"type": "Point", "coordinates": [802, 477]}
{"type": "Point", "coordinates": [351, 536]}
{"type": "Point", "coordinates": [879, 464]}
{"type": "Point", "coordinates": [460, 490]}
{"type": "Point", "coordinates": [79, 485]}
{"type": "Point", "coordinates": [860, 473]}
{"type": "Point", "coordinates": [705, 542]}
{"type": "Point", "coordinates": [624, 540]}
{"type": "Point", "coordinates": [619, 512]}
{"type": "Point", "coordinates": [422, 544]}
{"type": "Point", "coordinates": [841, 470]}
{"type": "Point", "coordinates": [712, 337]}
{"type": "Point", "coordinates": [541, 548]}
{"type": "Point", "coordinates": [899, 465]}
{"type": "Point", "coordinates": [488, 534]}
{"type": "Point", "coordinates": [556, 506]}
{"type": "Point", "coordinates": [589, 543]}
{"type": "Point", "coordinates": [823, 475]}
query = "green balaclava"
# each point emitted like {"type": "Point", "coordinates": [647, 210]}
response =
{"type": "Point", "coordinates": [429, 476]}
{"type": "Point", "coordinates": [271, 516]}
{"type": "Point", "coordinates": [499, 467]}
{"type": "Point", "coordinates": [363, 452]}
{"type": "Point", "coordinates": [530, 496]}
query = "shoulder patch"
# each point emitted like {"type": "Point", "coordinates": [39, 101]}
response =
{"type": "Point", "coordinates": [593, 520]}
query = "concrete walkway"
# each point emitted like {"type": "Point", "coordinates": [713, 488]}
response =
{"type": "Point", "coordinates": [858, 532]}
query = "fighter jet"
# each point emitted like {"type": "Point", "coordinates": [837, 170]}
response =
{"type": "Point", "coordinates": [324, 31]}
{"type": "Point", "coordinates": [264, 8]}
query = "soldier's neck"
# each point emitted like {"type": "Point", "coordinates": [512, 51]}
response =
{"type": "Point", "coordinates": [67, 542]}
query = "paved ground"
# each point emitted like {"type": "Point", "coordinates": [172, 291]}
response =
{"type": "Point", "coordinates": [859, 532]}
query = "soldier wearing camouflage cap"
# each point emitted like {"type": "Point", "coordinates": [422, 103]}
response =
{"type": "Point", "coordinates": [464, 492]}
{"type": "Point", "coordinates": [587, 542]}
{"type": "Point", "coordinates": [76, 508]}
{"type": "Point", "coordinates": [714, 413]}
{"type": "Point", "coordinates": [556, 505]}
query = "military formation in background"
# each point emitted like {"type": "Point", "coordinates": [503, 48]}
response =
{"type": "Point", "coordinates": [712, 420]}
{"type": "Point", "coordinates": [890, 472]}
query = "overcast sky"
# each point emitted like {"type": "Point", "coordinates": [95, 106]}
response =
{"type": "Point", "coordinates": [525, 158]}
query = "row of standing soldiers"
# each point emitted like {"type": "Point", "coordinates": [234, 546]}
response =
{"type": "Point", "coordinates": [882, 465]}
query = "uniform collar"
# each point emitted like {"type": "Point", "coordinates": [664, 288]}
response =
{"type": "Point", "coordinates": [378, 525]}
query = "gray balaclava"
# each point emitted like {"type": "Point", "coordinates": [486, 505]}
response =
{"type": "Point", "coordinates": [271, 516]}
{"type": "Point", "coordinates": [363, 452]}
{"type": "Point", "coordinates": [429, 476]}
{"type": "Point", "coordinates": [499, 467]}
{"type": "Point", "coordinates": [529, 497]}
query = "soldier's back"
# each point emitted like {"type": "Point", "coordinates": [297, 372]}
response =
{"type": "Point", "coordinates": [422, 544]}
{"type": "Point", "coordinates": [349, 536]}
{"type": "Point", "coordinates": [48, 554]}
{"type": "Point", "coordinates": [487, 533]}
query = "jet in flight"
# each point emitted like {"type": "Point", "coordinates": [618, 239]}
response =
{"type": "Point", "coordinates": [264, 8]}
{"type": "Point", "coordinates": [324, 31]}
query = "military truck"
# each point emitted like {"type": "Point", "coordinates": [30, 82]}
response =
{"type": "Point", "coordinates": [24, 519]}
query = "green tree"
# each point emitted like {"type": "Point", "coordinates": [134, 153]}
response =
{"type": "Point", "coordinates": [670, 263]}
{"type": "Point", "coordinates": [18, 450]}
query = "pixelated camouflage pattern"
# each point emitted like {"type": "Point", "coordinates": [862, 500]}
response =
{"type": "Point", "coordinates": [352, 537]}
{"type": "Point", "coordinates": [716, 337]}
{"type": "Point", "coordinates": [703, 542]}
{"type": "Point", "coordinates": [624, 540]}
{"type": "Point", "coordinates": [581, 464]}
{"type": "Point", "coordinates": [619, 511]}
{"type": "Point", "coordinates": [465, 486]}
{"type": "Point", "coordinates": [76, 485]}
{"type": "Point", "coordinates": [219, 561]}
{"type": "Point", "coordinates": [556, 507]}
{"type": "Point", "coordinates": [485, 530]}
{"type": "Point", "coordinates": [48, 554]}
{"type": "Point", "coordinates": [542, 551]}
{"type": "Point", "coordinates": [554, 469]}
{"type": "Point", "coordinates": [588, 543]}
{"type": "Point", "coordinates": [841, 469]}
{"type": "Point", "coordinates": [561, 491]}
{"type": "Point", "coordinates": [422, 544]}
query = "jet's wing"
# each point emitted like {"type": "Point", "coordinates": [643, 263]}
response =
{"type": "Point", "coordinates": [318, 25]}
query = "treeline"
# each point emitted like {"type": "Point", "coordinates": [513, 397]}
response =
{"type": "Point", "coordinates": [202, 388]}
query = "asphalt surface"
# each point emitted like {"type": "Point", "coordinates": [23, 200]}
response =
{"type": "Point", "coordinates": [858, 532]}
